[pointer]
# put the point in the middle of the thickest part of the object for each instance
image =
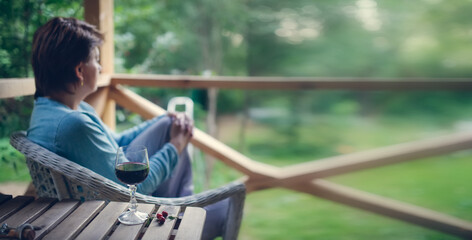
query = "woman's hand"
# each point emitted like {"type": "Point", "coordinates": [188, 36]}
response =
{"type": "Point", "coordinates": [181, 130]}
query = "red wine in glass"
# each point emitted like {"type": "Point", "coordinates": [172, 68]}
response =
{"type": "Point", "coordinates": [131, 168]}
{"type": "Point", "coordinates": [132, 173]}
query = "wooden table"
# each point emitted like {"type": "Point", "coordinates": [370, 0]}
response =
{"type": "Point", "coordinates": [71, 219]}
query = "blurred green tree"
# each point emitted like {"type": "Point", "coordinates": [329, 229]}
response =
{"type": "Point", "coordinates": [18, 22]}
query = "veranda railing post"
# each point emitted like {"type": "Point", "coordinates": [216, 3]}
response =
{"type": "Point", "coordinates": [100, 14]}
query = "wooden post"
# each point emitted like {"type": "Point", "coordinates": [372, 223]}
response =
{"type": "Point", "coordinates": [212, 130]}
{"type": "Point", "coordinates": [100, 14]}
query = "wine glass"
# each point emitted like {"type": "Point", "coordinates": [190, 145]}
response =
{"type": "Point", "coordinates": [131, 168]}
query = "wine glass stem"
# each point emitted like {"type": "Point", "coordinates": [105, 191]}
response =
{"type": "Point", "coordinates": [133, 203]}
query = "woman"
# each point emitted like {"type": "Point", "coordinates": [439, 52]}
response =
{"type": "Point", "coordinates": [66, 67]}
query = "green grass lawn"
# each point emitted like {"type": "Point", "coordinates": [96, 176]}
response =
{"type": "Point", "coordinates": [12, 164]}
{"type": "Point", "coordinates": [440, 183]}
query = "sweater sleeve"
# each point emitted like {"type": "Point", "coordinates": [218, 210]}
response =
{"type": "Point", "coordinates": [125, 137]}
{"type": "Point", "coordinates": [84, 141]}
{"type": "Point", "coordinates": [161, 165]}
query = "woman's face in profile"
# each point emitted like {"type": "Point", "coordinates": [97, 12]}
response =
{"type": "Point", "coordinates": [91, 70]}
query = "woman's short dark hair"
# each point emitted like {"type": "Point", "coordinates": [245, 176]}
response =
{"type": "Point", "coordinates": [58, 47]}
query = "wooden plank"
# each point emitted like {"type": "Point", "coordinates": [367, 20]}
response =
{"type": "Point", "coordinates": [162, 232]}
{"type": "Point", "coordinates": [135, 103]}
{"type": "Point", "coordinates": [104, 80]}
{"type": "Point", "coordinates": [381, 156]}
{"type": "Point", "coordinates": [98, 99]}
{"type": "Point", "coordinates": [132, 231]}
{"type": "Point", "coordinates": [76, 221]}
{"type": "Point", "coordinates": [291, 83]}
{"type": "Point", "coordinates": [4, 198]}
{"type": "Point", "coordinates": [30, 212]}
{"type": "Point", "coordinates": [231, 157]}
{"type": "Point", "coordinates": [368, 159]}
{"type": "Point", "coordinates": [104, 222]}
{"type": "Point", "coordinates": [16, 87]}
{"type": "Point", "coordinates": [192, 223]}
{"type": "Point", "coordinates": [109, 114]}
{"type": "Point", "coordinates": [387, 207]}
{"type": "Point", "coordinates": [52, 217]}
{"type": "Point", "coordinates": [14, 205]}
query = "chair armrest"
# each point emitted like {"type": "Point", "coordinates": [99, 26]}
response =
{"type": "Point", "coordinates": [201, 199]}
{"type": "Point", "coordinates": [74, 176]}
{"type": "Point", "coordinates": [110, 190]}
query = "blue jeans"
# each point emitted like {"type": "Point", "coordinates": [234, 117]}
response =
{"type": "Point", "coordinates": [180, 183]}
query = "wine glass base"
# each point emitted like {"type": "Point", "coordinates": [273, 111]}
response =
{"type": "Point", "coordinates": [133, 218]}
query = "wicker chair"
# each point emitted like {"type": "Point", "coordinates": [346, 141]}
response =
{"type": "Point", "coordinates": [57, 177]}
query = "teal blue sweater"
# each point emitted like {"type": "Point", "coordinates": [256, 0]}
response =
{"type": "Point", "coordinates": [82, 137]}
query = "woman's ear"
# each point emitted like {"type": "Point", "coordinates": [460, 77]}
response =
{"type": "Point", "coordinates": [79, 71]}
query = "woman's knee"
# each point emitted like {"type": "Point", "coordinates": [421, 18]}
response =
{"type": "Point", "coordinates": [166, 119]}
{"type": "Point", "coordinates": [163, 126]}
{"type": "Point", "coordinates": [156, 135]}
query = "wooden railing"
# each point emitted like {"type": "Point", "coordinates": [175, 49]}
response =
{"type": "Point", "coordinates": [291, 83]}
{"type": "Point", "coordinates": [305, 177]}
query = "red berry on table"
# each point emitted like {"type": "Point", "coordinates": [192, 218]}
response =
{"type": "Point", "coordinates": [164, 214]}
{"type": "Point", "coordinates": [159, 215]}
{"type": "Point", "coordinates": [161, 220]}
